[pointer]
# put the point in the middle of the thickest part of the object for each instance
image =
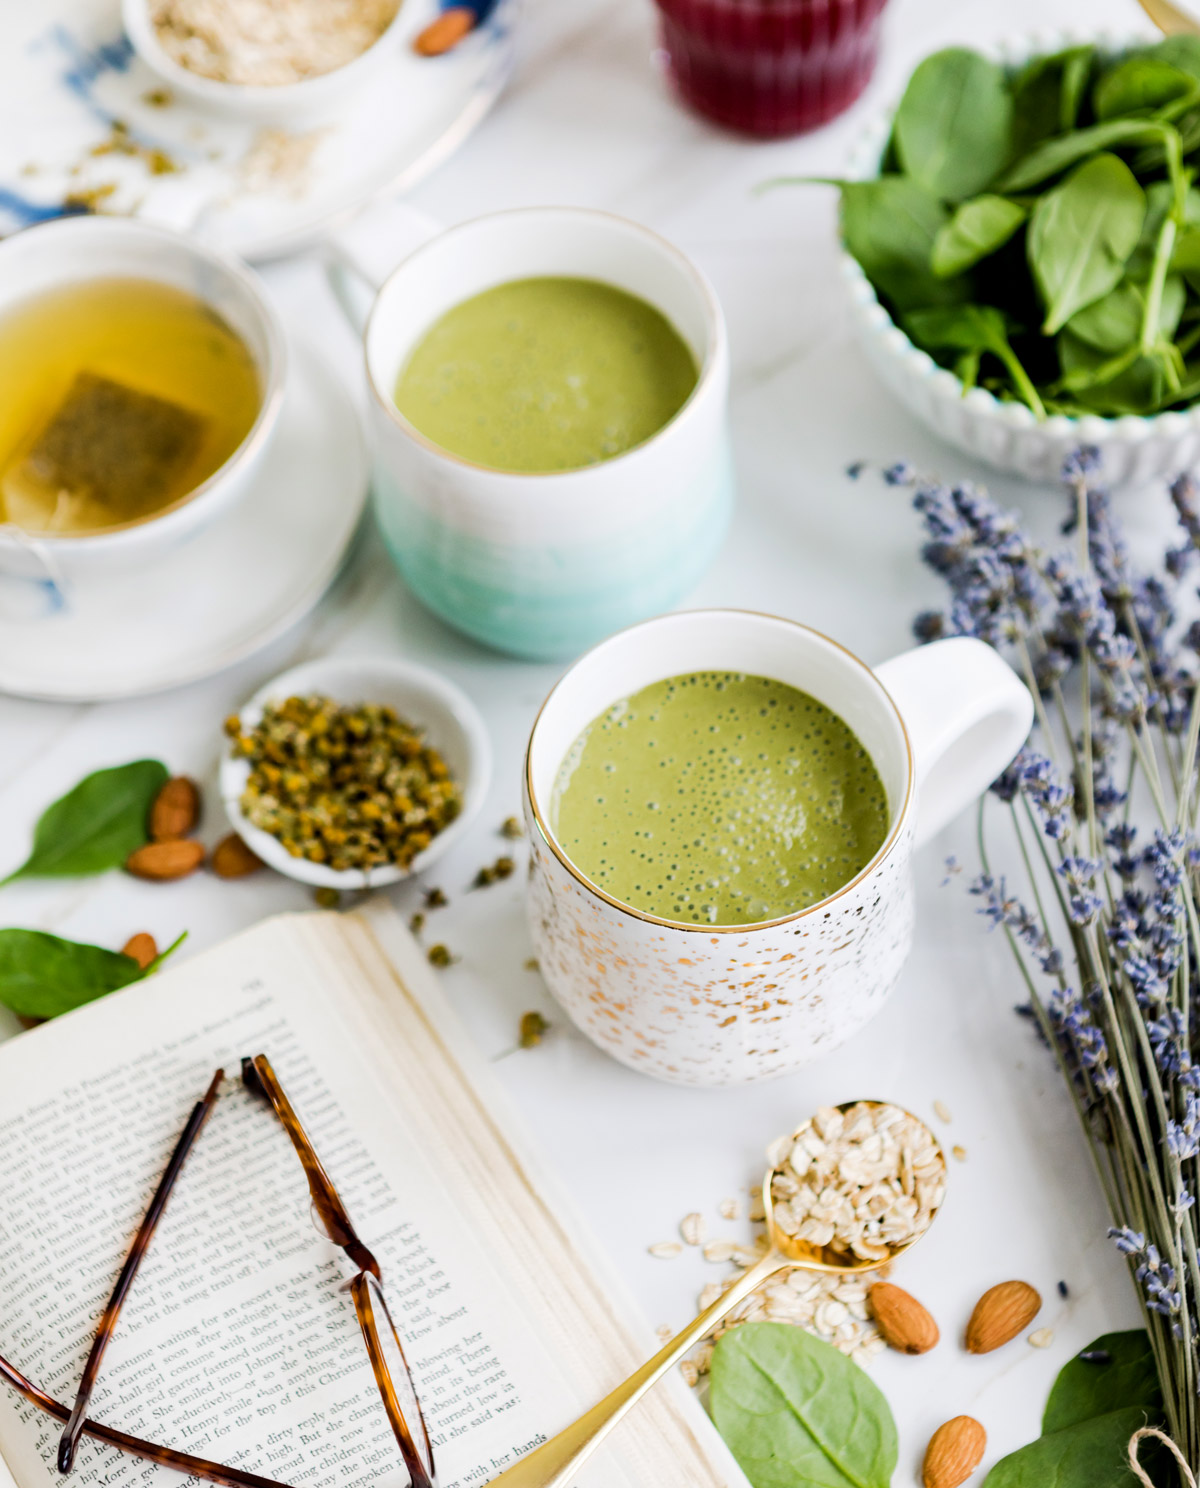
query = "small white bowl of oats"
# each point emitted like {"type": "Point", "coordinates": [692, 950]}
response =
{"type": "Point", "coordinates": [270, 61]}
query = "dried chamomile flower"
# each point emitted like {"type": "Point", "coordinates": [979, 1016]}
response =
{"type": "Point", "coordinates": [439, 955]}
{"type": "Point", "coordinates": [493, 873]}
{"type": "Point", "coordinates": [533, 1029]}
{"type": "Point", "coordinates": [511, 828]}
{"type": "Point", "coordinates": [348, 786]}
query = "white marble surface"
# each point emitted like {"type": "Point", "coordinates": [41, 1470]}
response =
{"type": "Point", "coordinates": [587, 121]}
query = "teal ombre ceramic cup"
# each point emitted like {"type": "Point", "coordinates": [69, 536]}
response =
{"type": "Point", "coordinates": [543, 566]}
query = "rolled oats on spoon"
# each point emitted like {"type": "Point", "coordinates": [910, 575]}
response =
{"type": "Point", "coordinates": [848, 1190]}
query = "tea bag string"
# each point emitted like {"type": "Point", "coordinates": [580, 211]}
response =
{"type": "Point", "coordinates": [1139, 1472]}
{"type": "Point", "coordinates": [51, 576]}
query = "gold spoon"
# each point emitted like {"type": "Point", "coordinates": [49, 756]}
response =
{"type": "Point", "coordinates": [555, 1462]}
{"type": "Point", "coordinates": [1170, 19]}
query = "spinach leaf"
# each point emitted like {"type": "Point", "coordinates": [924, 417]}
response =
{"type": "Point", "coordinates": [977, 229]}
{"type": "Point", "coordinates": [889, 225]}
{"type": "Point", "coordinates": [96, 825]}
{"type": "Point", "coordinates": [1047, 93]}
{"type": "Point", "coordinates": [1087, 1387]}
{"type": "Point", "coordinates": [1081, 234]}
{"type": "Point", "coordinates": [1182, 52]}
{"type": "Point", "coordinates": [1091, 1454]}
{"type": "Point", "coordinates": [1186, 257]}
{"type": "Point", "coordinates": [795, 1412]}
{"type": "Point", "coordinates": [1115, 322]}
{"type": "Point", "coordinates": [1140, 82]}
{"type": "Point", "coordinates": [42, 975]}
{"type": "Point", "coordinates": [974, 329]}
{"type": "Point", "coordinates": [954, 124]}
{"type": "Point", "coordinates": [1160, 196]}
{"type": "Point", "coordinates": [1129, 382]}
{"type": "Point", "coordinates": [1065, 150]}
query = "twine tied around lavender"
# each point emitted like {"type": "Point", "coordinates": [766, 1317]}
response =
{"type": "Point", "coordinates": [1139, 1472]}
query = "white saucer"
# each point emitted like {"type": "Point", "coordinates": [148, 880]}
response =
{"type": "Point", "coordinates": [67, 72]}
{"type": "Point", "coordinates": [221, 596]}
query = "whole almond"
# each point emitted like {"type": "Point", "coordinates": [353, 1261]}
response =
{"type": "Point", "coordinates": [1000, 1314]}
{"type": "Point", "coordinates": [164, 861]}
{"type": "Point", "coordinates": [141, 947]}
{"type": "Point", "coordinates": [176, 810]}
{"type": "Point", "coordinates": [233, 859]}
{"type": "Point", "coordinates": [446, 32]}
{"type": "Point", "coordinates": [955, 1450]}
{"type": "Point", "coordinates": [902, 1321]}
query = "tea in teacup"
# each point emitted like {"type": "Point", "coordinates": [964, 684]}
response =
{"type": "Point", "coordinates": [718, 798]}
{"type": "Point", "coordinates": [118, 397]}
{"type": "Point", "coordinates": [546, 374]}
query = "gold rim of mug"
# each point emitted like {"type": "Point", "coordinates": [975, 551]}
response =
{"type": "Point", "coordinates": [272, 380]}
{"type": "Point", "coordinates": [880, 856]}
{"type": "Point", "coordinates": [712, 315]}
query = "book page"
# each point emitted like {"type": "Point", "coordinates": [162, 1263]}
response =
{"type": "Point", "coordinates": [237, 1342]}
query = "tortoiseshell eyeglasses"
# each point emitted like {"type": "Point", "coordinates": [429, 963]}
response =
{"type": "Point", "coordinates": [329, 1215]}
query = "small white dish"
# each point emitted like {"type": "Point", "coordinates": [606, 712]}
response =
{"type": "Point", "coordinates": [68, 73]}
{"type": "Point", "coordinates": [421, 697]}
{"type": "Point", "coordinates": [309, 99]}
{"type": "Point", "coordinates": [1008, 435]}
{"type": "Point", "coordinates": [218, 597]}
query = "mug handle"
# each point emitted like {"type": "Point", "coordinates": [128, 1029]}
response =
{"type": "Point", "coordinates": [361, 255]}
{"type": "Point", "coordinates": [967, 714]}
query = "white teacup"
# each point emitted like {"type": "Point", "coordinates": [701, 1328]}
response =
{"type": "Point", "coordinates": [714, 1005]}
{"type": "Point", "coordinates": [543, 565]}
{"type": "Point", "coordinates": [73, 249]}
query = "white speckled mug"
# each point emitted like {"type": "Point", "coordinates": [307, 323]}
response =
{"type": "Point", "coordinates": [713, 1005]}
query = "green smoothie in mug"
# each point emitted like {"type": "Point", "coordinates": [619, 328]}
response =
{"type": "Point", "coordinates": [546, 374]}
{"type": "Point", "coordinates": [718, 798]}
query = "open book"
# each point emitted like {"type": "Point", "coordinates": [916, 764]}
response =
{"type": "Point", "coordinates": [236, 1343]}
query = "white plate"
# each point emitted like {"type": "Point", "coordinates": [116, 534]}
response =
{"type": "Point", "coordinates": [67, 72]}
{"type": "Point", "coordinates": [224, 594]}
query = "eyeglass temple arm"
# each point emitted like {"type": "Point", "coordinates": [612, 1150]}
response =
{"type": "Point", "coordinates": [141, 1243]}
{"type": "Point", "coordinates": [260, 1078]}
{"type": "Point", "coordinates": [212, 1472]}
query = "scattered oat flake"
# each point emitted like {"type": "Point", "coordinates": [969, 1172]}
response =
{"type": "Point", "coordinates": [1042, 1337]}
{"type": "Point", "coordinates": [729, 1209]}
{"type": "Point", "coordinates": [719, 1250]}
{"type": "Point", "coordinates": [666, 1250]}
{"type": "Point", "coordinates": [693, 1229]}
{"type": "Point", "coordinates": [941, 1110]}
{"type": "Point", "coordinates": [959, 1152]}
{"type": "Point", "coordinates": [663, 1333]}
{"type": "Point", "coordinates": [689, 1371]}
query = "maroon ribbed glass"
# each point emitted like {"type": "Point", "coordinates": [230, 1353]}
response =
{"type": "Point", "coordinates": [770, 67]}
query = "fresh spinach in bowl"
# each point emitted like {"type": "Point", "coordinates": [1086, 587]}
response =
{"type": "Point", "coordinates": [1036, 229]}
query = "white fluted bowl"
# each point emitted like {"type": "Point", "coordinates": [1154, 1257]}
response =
{"type": "Point", "coordinates": [1008, 435]}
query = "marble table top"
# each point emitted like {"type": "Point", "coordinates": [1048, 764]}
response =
{"type": "Point", "coordinates": [587, 121]}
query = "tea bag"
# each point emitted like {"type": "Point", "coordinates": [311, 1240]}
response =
{"type": "Point", "coordinates": [109, 454]}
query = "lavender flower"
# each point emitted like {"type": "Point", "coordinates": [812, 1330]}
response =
{"type": "Point", "coordinates": [1108, 930]}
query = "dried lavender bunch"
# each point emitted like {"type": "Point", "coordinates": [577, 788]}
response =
{"type": "Point", "coordinates": [1102, 806]}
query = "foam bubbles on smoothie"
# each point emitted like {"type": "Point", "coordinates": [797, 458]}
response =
{"type": "Point", "coordinates": [719, 798]}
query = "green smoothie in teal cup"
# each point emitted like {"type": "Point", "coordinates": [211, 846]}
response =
{"type": "Point", "coordinates": [549, 374]}
{"type": "Point", "coordinates": [718, 798]}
